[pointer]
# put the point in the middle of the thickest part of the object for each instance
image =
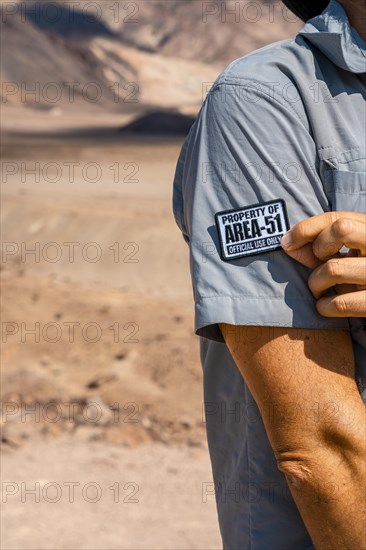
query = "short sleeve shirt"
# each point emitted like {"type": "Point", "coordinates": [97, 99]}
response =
{"type": "Point", "coordinates": [284, 123]}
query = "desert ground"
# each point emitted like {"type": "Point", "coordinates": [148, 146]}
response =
{"type": "Point", "coordinates": [103, 433]}
{"type": "Point", "coordinates": [101, 381]}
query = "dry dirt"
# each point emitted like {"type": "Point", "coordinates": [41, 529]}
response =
{"type": "Point", "coordinates": [101, 381]}
{"type": "Point", "coordinates": [95, 497]}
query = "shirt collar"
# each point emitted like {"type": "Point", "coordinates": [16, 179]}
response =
{"type": "Point", "coordinates": [333, 35]}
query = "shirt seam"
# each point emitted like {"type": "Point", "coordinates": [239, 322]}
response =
{"type": "Point", "coordinates": [232, 81]}
{"type": "Point", "coordinates": [250, 478]}
{"type": "Point", "coordinates": [341, 192]}
{"type": "Point", "coordinates": [245, 296]}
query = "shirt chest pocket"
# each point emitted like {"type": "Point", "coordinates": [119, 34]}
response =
{"type": "Point", "coordinates": [346, 190]}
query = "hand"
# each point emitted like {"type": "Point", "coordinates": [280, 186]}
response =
{"type": "Point", "coordinates": [316, 242]}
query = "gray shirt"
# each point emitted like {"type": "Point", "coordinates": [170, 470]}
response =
{"type": "Point", "coordinates": [284, 122]}
{"type": "Point", "coordinates": [287, 121]}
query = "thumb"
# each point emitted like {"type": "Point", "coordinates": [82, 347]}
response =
{"type": "Point", "coordinates": [304, 256]}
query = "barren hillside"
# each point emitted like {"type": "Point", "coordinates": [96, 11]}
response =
{"type": "Point", "coordinates": [125, 58]}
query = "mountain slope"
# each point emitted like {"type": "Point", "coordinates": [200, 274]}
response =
{"type": "Point", "coordinates": [123, 57]}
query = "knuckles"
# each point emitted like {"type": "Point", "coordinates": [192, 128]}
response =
{"type": "Point", "coordinates": [340, 305]}
{"type": "Point", "coordinates": [342, 227]}
{"type": "Point", "coordinates": [333, 268]}
{"type": "Point", "coordinates": [335, 306]}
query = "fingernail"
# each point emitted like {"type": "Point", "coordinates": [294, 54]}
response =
{"type": "Point", "coordinates": [286, 241]}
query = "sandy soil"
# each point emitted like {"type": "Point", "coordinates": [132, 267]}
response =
{"type": "Point", "coordinates": [111, 370]}
{"type": "Point", "coordinates": [92, 496]}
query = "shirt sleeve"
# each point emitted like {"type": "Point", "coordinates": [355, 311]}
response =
{"type": "Point", "coordinates": [246, 149]}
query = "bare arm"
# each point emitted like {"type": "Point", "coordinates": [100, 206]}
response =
{"type": "Point", "coordinates": [303, 383]}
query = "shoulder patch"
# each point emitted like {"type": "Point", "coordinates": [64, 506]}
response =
{"type": "Point", "coordinates": [251, 230]}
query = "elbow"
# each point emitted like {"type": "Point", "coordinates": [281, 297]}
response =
{"type": "Point", "coordinates": [305, 462]}
{"type": "Point", "coordinates": [298, 466]}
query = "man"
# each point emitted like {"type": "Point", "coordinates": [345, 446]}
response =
{"type": "Point", "coordinates": [280, 138]}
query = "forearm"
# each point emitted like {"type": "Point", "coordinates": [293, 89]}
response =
{"type": "Point", "coordinates": [315, 421]}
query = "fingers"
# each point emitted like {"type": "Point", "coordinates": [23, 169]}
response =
{"type": "Point", "coordinates": [343, 232]}
{"type": "Point", "coordinates": [307, 230]}
{"type": "Point", "coordinates": [317, 238]}
{"type": "Point", "coordinates": [337, 271]}
{"type": "Point", "coordinates": [352, 304]}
